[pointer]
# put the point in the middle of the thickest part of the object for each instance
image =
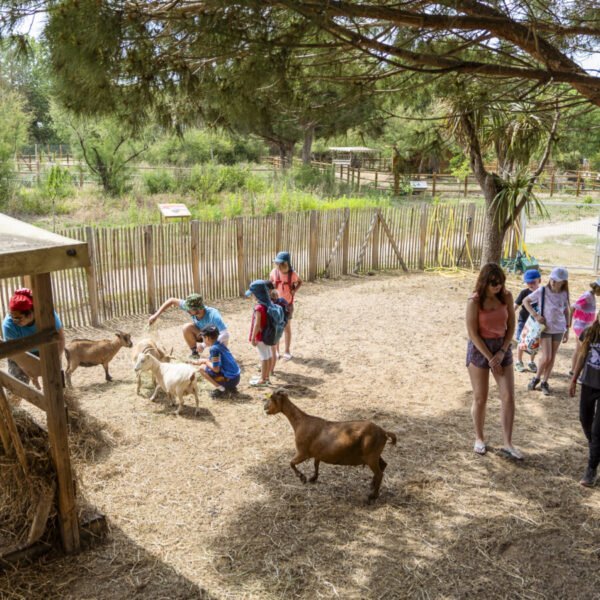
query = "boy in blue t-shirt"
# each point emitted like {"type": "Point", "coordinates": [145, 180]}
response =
{"type": "Point", "coordinates": [222, 371]}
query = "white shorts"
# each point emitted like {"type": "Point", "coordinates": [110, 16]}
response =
{"type": "Point", "coordinates": [264, 351]}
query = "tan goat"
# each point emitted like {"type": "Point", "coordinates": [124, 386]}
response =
{"type": "Point", "coordinates": [30, 365]}
{"type": "Point", "coordinates": [336, 443]}
{"type": "Point", "coordinates": [148, 346]}
{"type": "Point", "coordinates": [90, 353]}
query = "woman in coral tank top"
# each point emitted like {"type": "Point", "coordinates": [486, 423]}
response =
{"type": "Point", "coordinates": [490, 326]}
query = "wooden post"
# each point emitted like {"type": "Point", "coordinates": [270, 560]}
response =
{"type": "Point", "coordinates": [150, 286]}
{"type": "Point", "coordinates": [56, 415]}
{"type": "Point", "coordinates": [347, 173]}
{"type": "Point", "coordinates": [578, 183]}
{"type": "Point", "coordinates": [11, 427]}
{"type": "Point", "coordinates": [422, 236]}
{"type": "Point", "coordinates": [90, 273]}
{"type": "Point", "coordinates": [552, 184]}
{"type": "Point", "coordinates": [375, 244]}
{"type": "Point", "coordinates": [195, 235]}
{"type": "Point", "coordinates": [358, 179]}
{"type": "Point", "coordinates": [433, 184]}
{"type": "Point", "coordinates": [466, 185]}
{"type": "Point", "coordinates": [346, 242]}
{"type": "Point", "coordinates": [241, 260]}
{"type": "Point", "coordinates": [313, 248]}
{"type": "Point", "coordinates": [376, 173]}
{"type": "Point", "coordinates": [470, 225]}
{"type": "Point", "coordinates": [278, 232]}
{"type": "Point", "coordinates": [80, 179]}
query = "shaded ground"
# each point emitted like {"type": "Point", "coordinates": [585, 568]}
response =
{"type": "Point", "coordinates": [207, 507]}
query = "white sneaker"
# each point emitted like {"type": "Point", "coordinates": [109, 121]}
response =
{"type": "Point", "coordinates": [287, 356]}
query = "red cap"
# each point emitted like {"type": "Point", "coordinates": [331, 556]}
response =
{"type": "Point", "coordinates": [21, 301]}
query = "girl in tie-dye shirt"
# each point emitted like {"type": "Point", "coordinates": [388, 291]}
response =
{"type": "Point", "coordinates": [584, 314]}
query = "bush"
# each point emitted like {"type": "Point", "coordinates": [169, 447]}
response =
{"type": "Point", "coordinates": [309, 178]}
{"type": "Point", "coordinates": [159, 182]}
{"type": "Point", "coordinates": [35, 201]}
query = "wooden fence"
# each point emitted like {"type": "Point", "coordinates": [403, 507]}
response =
{"type": "Point", "coordinates": [135, 269]}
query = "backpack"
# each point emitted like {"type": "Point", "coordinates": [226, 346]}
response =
{"type": "Point", "coordinates": [275, 325]}
{"type": "Point", "coordinates": [285, 305]}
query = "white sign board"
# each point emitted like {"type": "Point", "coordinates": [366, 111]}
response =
{"type": "Point", "coordinates": [418, 185]}
{"type": "Point", "coordinates": [172, 211]}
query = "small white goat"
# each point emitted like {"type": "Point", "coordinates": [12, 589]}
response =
{"type": "Point", "coordinates": [148, 346]}
{"type": "Point", "coordinates": [90, 353]}
{"type": "Point", "coordinates": [175, 379]}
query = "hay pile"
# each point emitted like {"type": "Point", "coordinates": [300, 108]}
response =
{"type": "Point", "coordinates": [20, 493]}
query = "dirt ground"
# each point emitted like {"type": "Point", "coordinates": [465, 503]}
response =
{"type": "Point", "coordinates": [208, 507]}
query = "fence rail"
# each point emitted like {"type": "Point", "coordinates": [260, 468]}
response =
{"type": "Point", "coordinates": [134, 269]}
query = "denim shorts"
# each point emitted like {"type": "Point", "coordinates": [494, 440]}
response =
{"type": "Point", "coordinates": [228, 384]}
{"type": "Point", "coordinates": [493, 345]}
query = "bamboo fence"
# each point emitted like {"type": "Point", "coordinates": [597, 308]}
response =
{"type": "Point", "coordinates": [134, 269]}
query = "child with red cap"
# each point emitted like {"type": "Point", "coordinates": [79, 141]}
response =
{"type": "Point", "coordinates": [20, 323]}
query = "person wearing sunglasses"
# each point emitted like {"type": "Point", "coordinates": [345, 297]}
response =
{"type": "Point", "coordinates": [20, 323]}
{"type": "Point", "coordinates": [490, 327]}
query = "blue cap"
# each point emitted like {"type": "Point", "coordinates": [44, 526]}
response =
{"type": "Point", "coordinates": [283, 257]}
{"type": "Point", "coordinates": [531, 275]}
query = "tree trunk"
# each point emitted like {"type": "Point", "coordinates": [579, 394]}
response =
{"type": "Point", "coordinates": [309, 134]}
{"type": "Point", "coordinates": [493, 234]}
{"type": "Point", "coordinates": [286, 153]}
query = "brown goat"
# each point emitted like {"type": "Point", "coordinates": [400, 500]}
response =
{"type": "Point", "coordinates": [336, 443]}
{"type": "Point", "coordinates": [90, 353]}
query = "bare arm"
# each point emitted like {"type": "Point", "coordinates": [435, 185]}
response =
{"type": "Point", "coordinates": [167, 304]}
{"type": "Point", "coordinates": [577, 371]}
{"type": "Point", "coordinates": [510, 327]}
{"type": "Point", "coordinates": [473, 329]}
{"type": "Point", "coordinates": [257, 326]}
{"type": "Point", "coordinates": [532, 311]}
{"type": "Point", "coordinates": [568, 321]}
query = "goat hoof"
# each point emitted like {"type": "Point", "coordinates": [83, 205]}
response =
{"type": "Point", "coordinates": [302, 478]}
{"type": "Point", "coordinates": [372, 497]}
{"type": "Point", "coordinates": [312, 480]}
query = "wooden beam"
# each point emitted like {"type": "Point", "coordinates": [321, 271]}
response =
{"type": "Point", "coordinates": [9, 422]}
{"type": "Point", "coordinates": [23, 390]}
{"type": "Point", "coordinates": [149, 250]}
{"type": "Point", "coordinates": [313, 245]}
{"type": "Point", "coordinates": [90, 273]}
{"type": "Point", "coordinates": [195, 235]}
{"type": "Point", "coordinates": [375, 243]}
{"type": "Point", "coordinates": [346, 242]}
{"type": "Point", "coordinates": [392, 241]}
{"type": "Point", "coordinates": [56, 417]}
{"type": "Point", "coordinates": [241, 259]}
{"type": "Point", "coordinates": [422, 236]}
{"type": "Point", "coordinates": [12, 347]}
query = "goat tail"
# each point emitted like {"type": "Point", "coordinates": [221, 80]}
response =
{"type": "Point", "coordinates": [391, 436]}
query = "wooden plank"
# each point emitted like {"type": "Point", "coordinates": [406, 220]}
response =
{"type": "Point", "coordinates": [422, 236]}
{"type": "Point", "coordinates": [346, 242]}
{"type": "Point", "coordinates": [375, 242]}
{"type": "Point", "coordinates": [363, 248]}
{"type": "Point", "coordinates": [278, 232]}
{"type": "Point", "coordinates": [388, 232]}
{"type": "Point", "coordinates": [44, 336]}
{"type": "Point", "coordinates": [313, 247]}
{"type": "Point", "coordinates": [149, 253]}
{"type": "Point", "coordinates": [56, 416]}
{"type": "Point", "coordinates": [90, 273]}
{"type": "Point", "coordinates": [23, 390]}
{"type": "Point", "coordinates": [9, 422]}
{"type": "Point", "coordinates": [195, 235]}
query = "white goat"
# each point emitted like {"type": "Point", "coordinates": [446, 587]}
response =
{"type": "Point", "coordinates": [175, 379]}
{"type": "Point", "coordinates": [148, 346]}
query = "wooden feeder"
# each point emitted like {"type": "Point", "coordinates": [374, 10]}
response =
{"type": "Point", "coordinates": [32, 253]}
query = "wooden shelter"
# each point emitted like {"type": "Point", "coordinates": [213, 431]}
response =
{"type": "Point", "coordinates": [32, 253]}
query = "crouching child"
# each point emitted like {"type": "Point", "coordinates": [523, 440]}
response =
{"type": "Point", "coordinates": [221, 369]}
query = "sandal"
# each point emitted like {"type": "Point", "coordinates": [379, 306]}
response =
{"type": "Point", "coordinates": [519, 366]}
{"type": "Point", "coordinates": [259, 383]}
{"type": "Point", "coordinates": [287, 356]}
{"type": "Point", "coordinates": [480, 448]}
{"type": "Point", "coordinates": [512, 452]}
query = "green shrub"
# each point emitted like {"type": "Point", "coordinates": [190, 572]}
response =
{"type": "Point", "coordinates": [159, 182]}
{"type": "Point", "coordinates": [309, 178]}
{"type": "Point", "coordinates": [588, 200]}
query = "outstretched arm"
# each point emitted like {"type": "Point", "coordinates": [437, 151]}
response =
{"type": "Point", "coordinates": [170, 302]}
